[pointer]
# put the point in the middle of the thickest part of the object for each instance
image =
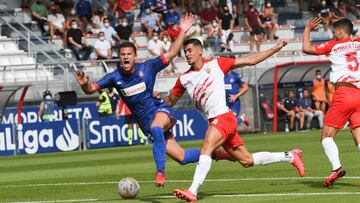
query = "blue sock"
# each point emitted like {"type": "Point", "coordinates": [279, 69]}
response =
{"type": "Point", "coordinates": [191, 156]}
{"type": "Point", "coordinates": [159, 148]}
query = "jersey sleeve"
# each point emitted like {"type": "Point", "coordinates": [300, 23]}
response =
{"type": "Point", "coordinates": [226, 64]}
{"type": "Point", "coordinates": [104, 82]}
{"type": "Point", "coordinates": [324, 48]}
{"type": "Point", "coordinates": [178, 90]}
{"type": "Point", "coordinates": [239, 79]}
{"type": "Point", "coordinates": [157, 64]}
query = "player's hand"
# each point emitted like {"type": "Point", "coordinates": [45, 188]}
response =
{"type": "Point", "coordinates": [187, 21]}
{"type": "Point", "coordinates": [281, 43]}
{"type": "Point", "coordinates": [156, 94]}
{"type": "Point", "coordinates": [232, 98]}
{"type": "Point", "coordinates": [81, 78]}
{"type": "Point", "coordinates": [313, 23]}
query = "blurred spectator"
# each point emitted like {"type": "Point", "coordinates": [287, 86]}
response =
{"type": "Point", "coordinates": [97, 21]}
{"type": "Point", "coordinates": [172, 15]}
{"type": "Point", "coordinates": [258, 4]}
{"type": "Point", "coordinates": [325, 13]}
{"type": "Point", "coordinates": [173, 31]}
{"type": "Point", "coordinates": [330, 90]}
{"type": "Point", "coordinates": [344, 10]}
{"type": "Point", "coordinates": [110, 34]}
{"type": "Point", "coordinates": [150, 22]}
{"type": "Point", "coordinates": [195, 32]}
{"type": "Point", "coordinates": [64, 6]}
{"type": "Point", "coordinates": [105, 5]}
{"type": "Point", "coordinates": [125, 8]}
{"type": "Point", "coordinates": [47, 107]}
{"type": "Point", "coordinates": [124, 30]}
{"type": "Point", "coordinates": [254, 26]}
{"type": "Point", "coordinates": [166, 48]}
{"type": "Point", "coordinates": [186, 6]}
{"type": "Point", "coordinates": [72, 16]}
{"type": "Point", "coordinates": [56, 22]}
{"type": "Point", "coordinates": [155, 46]}
{"type": "Point", "coordinates": [38, 14]}
{"type": "Point", "coordinates": [77, 42]}
{"type": "Point", "coordinates": [305, 105]}
{"type": "Point", "coordinates": [318, 92]}
{"type": "Point", "coordinates": [114, 99]}
{"type": "Point", "coordinates": [268, 20]}
{"type": "Point", "coordinates": [226, 23]}
{"type": "Point", "coordinates": [230, 5]}
{"type": "Point", "coordinates": [207, 15]}
{"type": "Point", "coordinates": [103, 104]}
{"type": "Point", "coordinates": [160, 6]}
{"type": "Point", "coordinates": [213, 36]}
{"type": "Point", "coordinates": [288, 105]}
{"type": "Point", "coordinates": [84, 11]}
{"type": "Point", "coordinates": [102, 47]}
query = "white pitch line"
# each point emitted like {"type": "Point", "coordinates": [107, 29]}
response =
{"type": "Point", "coordinates": [207, 196]}
{"type": "Point", "coordinates": [169, 181]}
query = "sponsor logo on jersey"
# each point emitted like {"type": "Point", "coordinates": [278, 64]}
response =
{"type": "Point", "coordinates": [133, 90]}
{"type": "Point", "coordinates": [228, 87]}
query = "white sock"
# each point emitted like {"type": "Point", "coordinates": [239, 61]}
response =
{"type": "Point", "coordinates": [332, 152]}
{"type": "Point", "coordinates": [359, 147]}
{"type": "Point", "coordinates": [263, 158]}
{"type": "Point", "coordinates": [202, 169]}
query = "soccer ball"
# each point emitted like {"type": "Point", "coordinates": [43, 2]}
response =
{"type": "Point", "coordinates": [128, 188]}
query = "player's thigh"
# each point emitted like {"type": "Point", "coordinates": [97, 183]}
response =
{"type": "Point", "coordinates": [213, 140]}
{"type": "Point", "coordinates": [161, 119]}
{"type": "Point", "coordinates": [174, 150]}
{"type": "Point", "coordinates": [242, 155]}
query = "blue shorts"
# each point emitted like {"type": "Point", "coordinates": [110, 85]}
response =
{"type": "Point", "coordinates": [235, 107]}
{"type": "Point", "coordinates": [161, 108]}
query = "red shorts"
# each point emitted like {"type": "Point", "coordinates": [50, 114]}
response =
{"type": "Point", "coordinates": [345, 106]}
{"type": "Point", "coordinates": [227, 125]}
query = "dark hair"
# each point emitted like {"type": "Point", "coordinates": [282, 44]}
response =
{"type": "Point", "coordinates": [193, 41]}
{"type": "Point", "coordinates": [305, 89]}
{"type": "Point", "coordinates": [288, 92]}
{"type": "Point", "coordinates": [344, 24]}
{"type": "Point", "coordinates": [47, 92]}
{"type": "Point", "coordinates": [73, 21]}
{"type": "Point", "coordinates": [106, 19]}
{"type": "Point", "coordinates": [318, 71]}
{"type": "Point", "coordinates": [127, 44]}
{"type": "Point", "coordinates": [101, 32]}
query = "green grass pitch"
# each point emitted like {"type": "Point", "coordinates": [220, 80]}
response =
{"type": "Point", "coordinates": [92, 176]}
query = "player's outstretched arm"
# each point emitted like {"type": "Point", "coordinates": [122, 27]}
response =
{"type": "Point", "coordinates": [185, 23]}
{"type": "Point", "coordinates": [307, 47]}
{"type": "Point", "coordinates": [83, 81]}
{"type": "Point", "coordinates": [258, 57]}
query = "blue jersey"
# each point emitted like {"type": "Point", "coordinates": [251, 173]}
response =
{"type": "Point", "coordinates": [136, 90]}
{"type": "Point", "coordinates": [233, 82]}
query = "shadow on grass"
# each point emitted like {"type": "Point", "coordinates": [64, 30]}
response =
{"type": "Point", "coordinates": [318, 184]}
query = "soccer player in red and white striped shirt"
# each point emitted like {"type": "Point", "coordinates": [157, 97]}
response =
{"type": "Point", "coordinates": [344, 54]}
{"type": "Point", "coordinates": [204, 82]}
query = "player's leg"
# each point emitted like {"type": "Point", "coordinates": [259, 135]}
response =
{"type": "Point", "coordinates": [252, 41]}
{"type": "Point", "coordinates": [141, 134]}
{"type": "Point", "coordinates": [355, 125]}
{"type": "Point", "coordinates": [160, 122]}
{"type": "Point", "coordinates": [339, 112]}
{"type": "Point", "coordinates": [130, 133]}
{"type": "Point", "coordinates": [236, 148]}
{"type": "Point", "coordinates": [213, 139]}
{"type": "Point", "coordinates": [186, 156]}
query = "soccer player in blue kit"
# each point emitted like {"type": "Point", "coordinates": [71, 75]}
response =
{"type": "Point", "coordinates": [233, 83]}
{"type": "Point", "coordinates": [135, 84]}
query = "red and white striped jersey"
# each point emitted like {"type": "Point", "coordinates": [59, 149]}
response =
{"type": "Point", "coordinates": [206, 86]}
{"type": "Point", "coordinates": [345, 58]}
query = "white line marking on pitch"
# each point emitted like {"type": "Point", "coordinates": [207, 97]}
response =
{"type": "Point", "coordinates": [207, 196]}
{"type": "Point", "coordinates": [168, 181]}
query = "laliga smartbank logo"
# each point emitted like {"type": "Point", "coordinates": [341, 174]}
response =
{"type": "Point", "coordinates": [33, 140]}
